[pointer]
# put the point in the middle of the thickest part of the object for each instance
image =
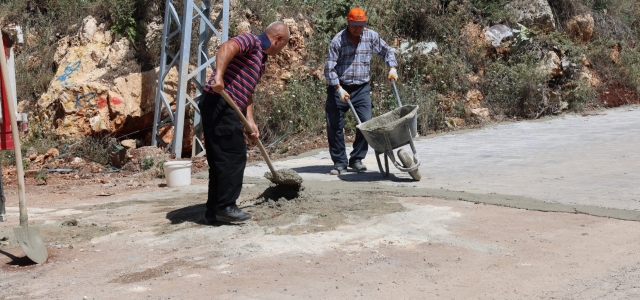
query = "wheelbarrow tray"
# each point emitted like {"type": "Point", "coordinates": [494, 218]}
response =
{"type": "Point", "coordinates": [391, 130]}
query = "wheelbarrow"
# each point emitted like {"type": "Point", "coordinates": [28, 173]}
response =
{"type": "Point", "coordinates": [390, 131]}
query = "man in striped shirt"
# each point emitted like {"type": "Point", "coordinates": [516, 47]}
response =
{"type": "Point", "coordinates": [240, 62]}
{"type": "Point", "coordinates": [347, 73]}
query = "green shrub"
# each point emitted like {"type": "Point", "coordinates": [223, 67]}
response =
{"type": "Point", "coordinates": [514, 88]}
{"type": "Point", "coordinates": [630, 67]}
{"type": "Point", "coordinates": [620, 22]}
{"type": "Point", "coordinates": [147, 163]}
{"type": "Point", "coordinates": [601, 4]}
{"type": "Point", "coordinates": [123, 21]}
{"type": "Point", "coordinates": [566, 9]}
{"type": "Point", "coordinates": [332, 16]}
{"type": "Point", "coordinates": [431, 115]}
{"type": "Point", "coordinates": [448, 71]}
{"type": "Point", "coordinates": [600, 56]}
{"type": "Point", "coordinates": [299, 108]}
{"type": "Point", "coordinates": [94, 149]}
{"type": "Point", "coordinates": [421, 20]}
{"type": "Point", "coordinates": [580, 95]}
{"type": "Point", "coordinates": [494, 11]}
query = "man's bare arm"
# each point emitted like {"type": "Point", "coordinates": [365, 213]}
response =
{"type": "Point", "coordinates": [226, 53]}
{"type": "Point", "coordinates": [251, 120]}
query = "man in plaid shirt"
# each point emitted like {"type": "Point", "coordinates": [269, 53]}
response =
{"type": "Point", "coordinates": [347, 73]}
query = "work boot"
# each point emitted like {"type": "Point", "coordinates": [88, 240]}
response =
{"type": "Point", "coordinates": [358, 166]}
{"type": "Point", "coordinates": [338, 170]}
{"type": "Point", "coordinates": [232, 214]}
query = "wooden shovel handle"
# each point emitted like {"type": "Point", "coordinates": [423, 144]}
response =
{"type": "Point", "coordinates": [14, 134]}
{"type": "Point", "coordinates": [250, 130]}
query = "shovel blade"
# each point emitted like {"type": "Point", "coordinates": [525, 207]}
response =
{"type": "Point", "coordinates": [284, 176]}
{"type": "Point", "coordinates": [31, 242]}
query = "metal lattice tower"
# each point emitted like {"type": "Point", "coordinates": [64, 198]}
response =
{"type": "Point", "coordinates": [180, 29]}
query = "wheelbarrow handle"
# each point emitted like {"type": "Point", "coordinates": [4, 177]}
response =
{"type": "Point", "coordinates": [353, 109]}
{"type": "Point", "coordinates": [393, 83]}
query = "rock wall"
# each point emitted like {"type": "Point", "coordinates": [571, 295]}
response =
{"type": "Point", "coordinates": [82, 99]}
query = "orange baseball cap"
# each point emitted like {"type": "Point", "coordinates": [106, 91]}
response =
{"type": "Point", "coordinates": [357, 17]}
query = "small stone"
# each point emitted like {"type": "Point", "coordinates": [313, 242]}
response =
{"type": "Point", "coordinates": [52, 153]}
{"type": "Point", "coordinates": [72, 222]}
{"type": "Point", "coordinates": [129, 144]}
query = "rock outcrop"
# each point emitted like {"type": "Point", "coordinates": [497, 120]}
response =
{"type": "Point", "coordinates": [551, 65]}
{"type": "Point", "coordinates": [83, 99]}
{"type": "Point", "coordinates": [581, 27]}
{"type": "Point", "coordinates": [534, 14]}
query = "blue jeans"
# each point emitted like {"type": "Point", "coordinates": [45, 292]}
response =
{"type": "Point", "coordinates": [335, 110]}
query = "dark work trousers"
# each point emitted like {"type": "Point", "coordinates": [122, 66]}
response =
{"type": "Point", "coordinates": [335, 110]}
{"type": "Point", "coordinates": [226, 152]}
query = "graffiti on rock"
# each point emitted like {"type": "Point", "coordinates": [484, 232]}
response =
{"type": "Point", "coordinates": [86, 98]}
{"type": "Point", "coordinates": [68, 71]}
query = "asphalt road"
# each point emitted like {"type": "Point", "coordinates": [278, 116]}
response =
{"type": "Point", "coordinates": [583, 160]}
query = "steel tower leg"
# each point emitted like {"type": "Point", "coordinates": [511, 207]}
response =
{"type": "Point", "coordinates": [183, 59]}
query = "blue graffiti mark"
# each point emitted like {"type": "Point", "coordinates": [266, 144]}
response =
{"type": "Point", "coordinates": [68, 71]}
{"type": "Point", "coordinates": [87, 99]}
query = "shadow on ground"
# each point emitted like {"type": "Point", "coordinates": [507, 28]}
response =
{"type": "Point", "coordinates": [351, 176]}
{"type": "Point", "coordinates": [371, 177]}
{"type": "Point", "coordinates": [18, 261]}
{"type": "Point", "coordinates": [277, 192]}
{"type": "Point", "coordinates": [324, 169]}
{"type": "Point", "coordinates": [193, 214]}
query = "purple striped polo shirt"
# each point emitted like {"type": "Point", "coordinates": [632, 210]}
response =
{"type": "Point", "coordinates": [245, 69]}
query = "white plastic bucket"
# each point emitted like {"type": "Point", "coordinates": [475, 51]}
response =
{"type": "Point", "coordinates": [177, 173]}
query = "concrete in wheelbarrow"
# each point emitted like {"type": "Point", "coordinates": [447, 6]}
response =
{"type": "Point", "coordinates": [360, 235]}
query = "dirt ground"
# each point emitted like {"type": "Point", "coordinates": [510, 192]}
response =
{"type": "Point", "coordinates": [127, 235]}
{"type": "Point", "coordinates": [133, 238]}
{"type": "Point", "coordinates": [617, 94]}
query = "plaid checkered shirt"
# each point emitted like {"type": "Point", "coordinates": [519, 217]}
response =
{"type": "Point", "coordinates": [349, 65]}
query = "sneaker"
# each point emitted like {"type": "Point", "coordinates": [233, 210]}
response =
{"type": "Point", "coordinates": [338, 171]}
{"type": "Point", "coordinates": [232, 214]}
{"type": "Point", "coordinates": [209, 219]}
{"type": "Point", "coordinates": [358, 166]}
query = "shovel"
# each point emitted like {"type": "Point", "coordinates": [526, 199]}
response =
{"type": "Point", "coordinates": [29, 238]}
{"type": "Point", "coordinates": [286, 176]}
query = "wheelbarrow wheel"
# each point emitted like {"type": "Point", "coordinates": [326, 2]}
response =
{"type": "Point", "coordinates": [407, 162]}
{"type": "Point", "coordinates": [385, 173]}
